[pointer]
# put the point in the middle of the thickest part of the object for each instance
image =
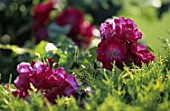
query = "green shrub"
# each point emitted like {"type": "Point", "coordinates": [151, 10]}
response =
{"type": "Point", "coordinates": [144, 89]}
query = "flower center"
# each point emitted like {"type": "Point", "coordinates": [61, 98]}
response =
{"type": "Point", "coordinates": [113, 53]}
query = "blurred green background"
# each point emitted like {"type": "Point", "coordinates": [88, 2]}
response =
{"type": "Point", "coordinates": [151, 16]}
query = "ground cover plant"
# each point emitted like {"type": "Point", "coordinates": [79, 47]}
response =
{"type": "Point", "coordinates": [71, 64]}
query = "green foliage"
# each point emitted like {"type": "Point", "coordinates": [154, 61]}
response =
{"type": "Point", "coordinates": [144, 89]}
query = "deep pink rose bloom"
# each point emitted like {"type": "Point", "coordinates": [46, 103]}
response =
{"type": "Point", "coordinates": [127, 29]}
{"type": "Point", "coordinates": [120, 44]}
{"type": "Point", "coordinates": [110, 50]}
{"type": "Point", "coordinates": [50, 82]}
{"type": "Point", "coordinates": [72, 17]}
{"type": "Point", "coordinates": [22, 81]}
{"type": "Point", "coordinates": [24, 68]}
{"type": "Point", "coordinates": [86, 29]}
{"type": "Point", "coordinates": [123, 28]}
{"type": "Point", "coordinates": [41, 14]}
{"type": "Point", "coordinates": [107, 29]}
{"type": "Point", "coordinates": [81, 32]}
{"type": "Point", "coordinates": [85, 35]}
{"type": "Point", "coordinates": [142, 55]}
{"type": "Point", "coordinates": [67, 87]}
